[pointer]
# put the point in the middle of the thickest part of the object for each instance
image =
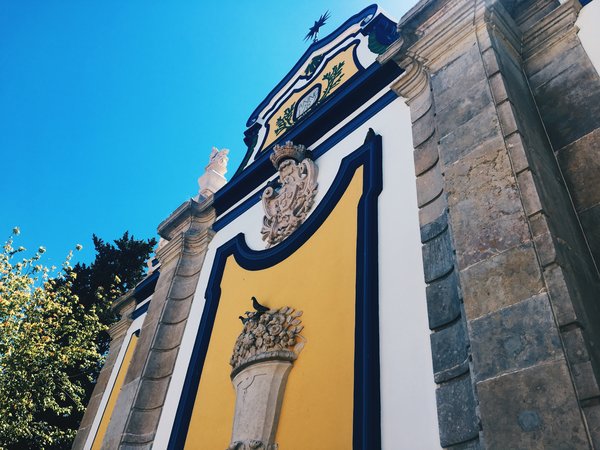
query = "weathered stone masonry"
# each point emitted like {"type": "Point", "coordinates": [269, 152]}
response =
{"type": "Point", "coordinates": [140, 402]}
{"type": "Point", "coordinates": [485, 82]}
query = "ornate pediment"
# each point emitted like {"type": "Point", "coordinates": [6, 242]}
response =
{"type": "Point", "coordinates": [327, 66]}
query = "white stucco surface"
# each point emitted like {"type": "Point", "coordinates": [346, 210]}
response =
{"type": "Point", "coordinates": [589, 31]}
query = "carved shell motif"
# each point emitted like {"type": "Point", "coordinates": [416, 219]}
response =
{"type": "Point", "coordinates": [287, 207]}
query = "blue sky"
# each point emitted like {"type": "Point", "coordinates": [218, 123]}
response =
{"type": "Point", "coordinates": [109, 110]}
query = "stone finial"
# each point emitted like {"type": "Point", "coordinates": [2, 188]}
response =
{"type": "Point", "coordinates": [213, 177]}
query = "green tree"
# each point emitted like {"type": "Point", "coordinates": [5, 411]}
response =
{"type": "Point", "coordinates": [116, 269]}
{"type": "Point", "coordinates": [47, 349]}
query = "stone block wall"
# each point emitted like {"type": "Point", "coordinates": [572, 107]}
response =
{"type": "Point", "coordinates": [526, 312]}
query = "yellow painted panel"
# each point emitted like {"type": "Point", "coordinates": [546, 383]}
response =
{"type": "Point", "coordinates": [319, 279]}
{"type": "Point", "coordinates": [349, 68]}
{"type": "Point", "coordinates": [114, 393]}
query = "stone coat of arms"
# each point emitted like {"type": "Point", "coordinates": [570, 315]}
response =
{"type": "Point", "coordinates": [287, 206]}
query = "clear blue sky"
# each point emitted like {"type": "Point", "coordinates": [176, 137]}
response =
{"type": "Point", "coordinates": [109, 109]}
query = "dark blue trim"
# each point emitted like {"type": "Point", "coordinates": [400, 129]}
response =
{"type": "Point", "coordinates": [349, 97]}
{"type": "Point", "coordinates": [145, 288]}
{"type": "Point", "coordinates": [351, 126]}
{"type": "Point", "coordinates": [293, 89]}
{"type": "Point", "coordinates": [346, 99]}
{"type": "Point", "coordinates": [140, 310]}
{"type": "Point", "coordinates": [369, 10]}
{"type": "Point", "coordinates": [241, 209]}
{"type": "Point", "coordinates": [367, 428]}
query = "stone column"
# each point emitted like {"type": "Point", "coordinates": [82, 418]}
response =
{"type": "Point", "coordinates": [124, 307]}
{"type": "Point", "coordinates": [139, 406]}
{"type": "Point", "coordinates": [496, 211]}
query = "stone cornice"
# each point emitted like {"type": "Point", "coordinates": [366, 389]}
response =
{"type": "Point", "coordinates": [434, 38]}
{"type": "Point", "coordinates": [123, 301]}
{"type": "Point", "coordinates": [550, 30]}
{"type": "Point", "coordinates": [190, 215]}
{"type": "Point", "coordinates": [413, 81]}
{"type": "Point", "coordinates": [190, 242]}
{"type": "Point", "coordinates": [440, 34]}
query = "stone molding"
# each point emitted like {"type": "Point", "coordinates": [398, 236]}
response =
{"type": "Point", "coordinates": [414, 81]}
{"type": "Point", "coordinates": [186, 234]}
{"type": "Point", "coordinates": [552, 29]}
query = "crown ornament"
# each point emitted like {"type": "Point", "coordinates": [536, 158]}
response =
{"type": "Point", "coordinates": [288, 151]}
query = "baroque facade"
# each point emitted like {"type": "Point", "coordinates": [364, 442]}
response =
{"type": "Point", "coordinates": [280, 311]}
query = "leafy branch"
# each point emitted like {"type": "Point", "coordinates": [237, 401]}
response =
{"type": "Point", "coordinates": [286, 121]}
{"type": "Point", "coordinates": [333, 78]}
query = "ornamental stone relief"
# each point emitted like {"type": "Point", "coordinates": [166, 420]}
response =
{"type": "Point", "coordinates": [287, 206]}
{"type": "Point", "coordinates": [261, 361]}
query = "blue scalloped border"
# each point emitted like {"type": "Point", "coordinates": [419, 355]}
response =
{"type": "Point", "coordinates": [367, 405]}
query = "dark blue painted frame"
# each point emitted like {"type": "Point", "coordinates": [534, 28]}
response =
{"type": "Point", "coordinates": [352, 125]}
{"type": "Point", "coordinates": [367, 405]}
{"type": "Point", "coordinates": [368, 11]}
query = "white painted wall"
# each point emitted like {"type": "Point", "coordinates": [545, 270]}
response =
{"type": "Point", "coordinates": [589, 31]}
{"type": "Point", "coordinates": [409, 417]}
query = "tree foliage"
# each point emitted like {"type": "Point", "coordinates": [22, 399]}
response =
{"type": "Point", "coordinates": [53, 337]}
{"type": "Point", "coordinates": [116, 269]}
{"type": "Point", "coordinates": [46, 337]}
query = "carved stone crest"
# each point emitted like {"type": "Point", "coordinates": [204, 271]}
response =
{"type": "Point", "coordinates": [261, 362]}
{"type": "Point", "coordinates": [287, 206]}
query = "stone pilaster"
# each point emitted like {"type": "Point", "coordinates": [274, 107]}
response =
{"type": "Point", "coordinates": [124, 307]}
{"type": "Point", "coordinates": [142, 396]}
{"type": "Point", "coordinates": [562, 78]}
{"type": "Point", "coordinates": [490, 189]}
{"type": "Point", "coordinates": [455, 394]}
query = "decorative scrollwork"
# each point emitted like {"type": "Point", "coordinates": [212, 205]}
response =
{"type": "Point", "coordinates": [287, 207]}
